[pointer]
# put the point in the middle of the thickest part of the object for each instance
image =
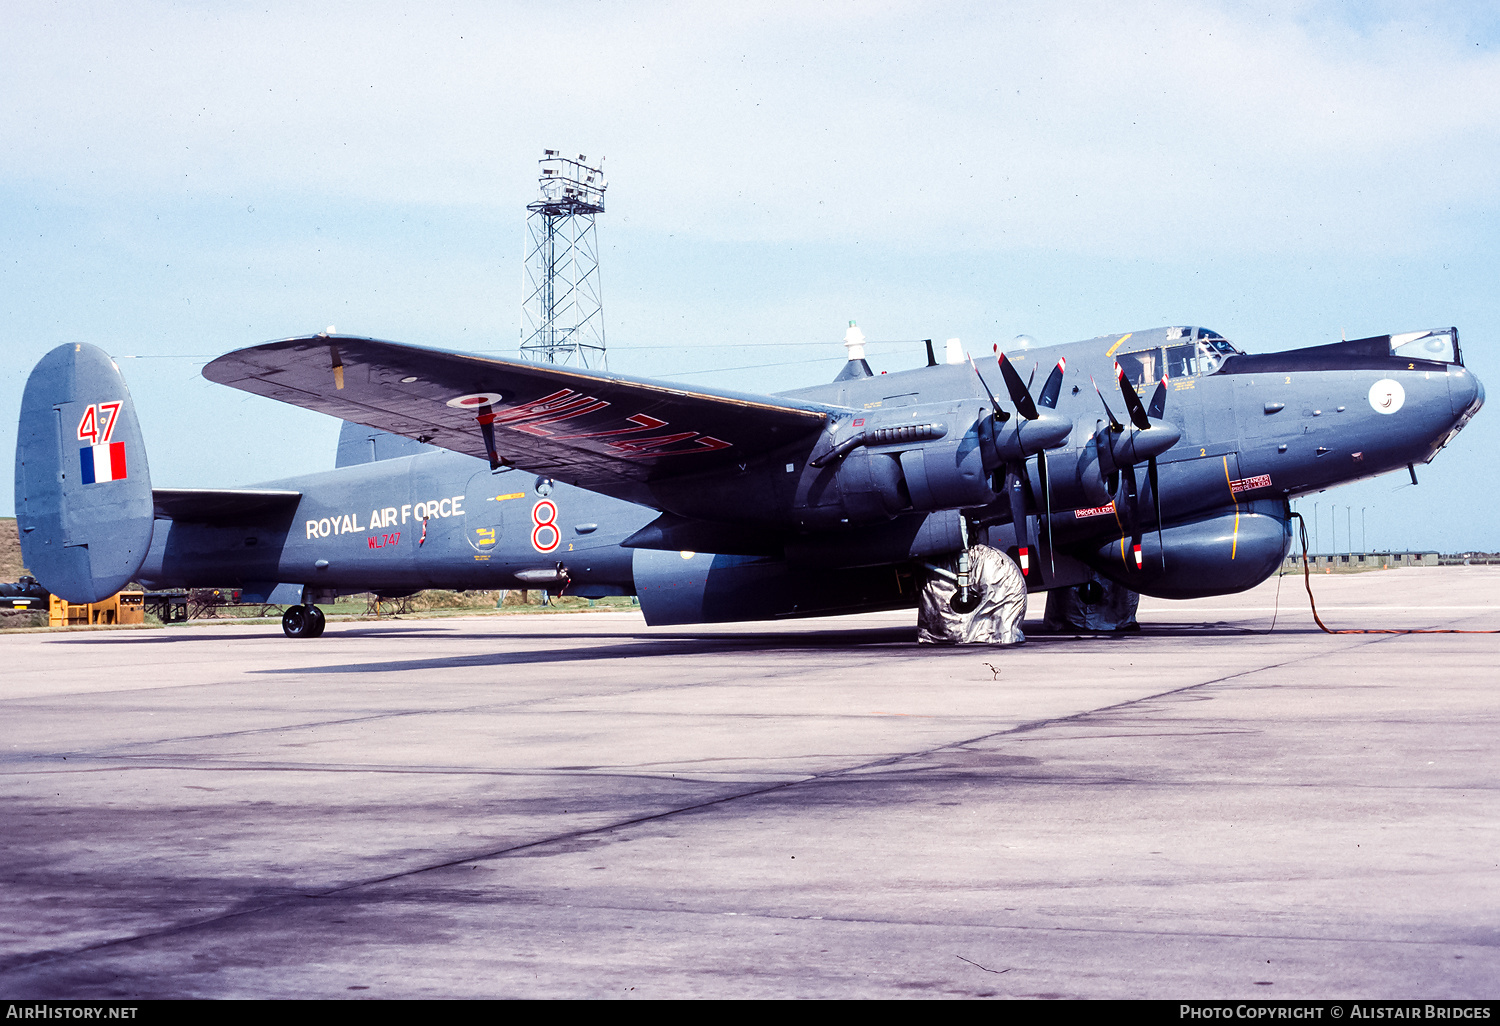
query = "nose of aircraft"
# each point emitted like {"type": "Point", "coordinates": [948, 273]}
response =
{"type": "Point", "coordinates": [1465, 393]}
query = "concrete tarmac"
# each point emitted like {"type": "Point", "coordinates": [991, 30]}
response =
{"type": "Point", "coordinates": [581, 806]}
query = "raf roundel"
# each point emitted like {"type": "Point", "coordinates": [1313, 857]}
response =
{"type": "Point", "coordinates": [1387, 396]}
{"type": "Point", "coordinates": [475, 400]}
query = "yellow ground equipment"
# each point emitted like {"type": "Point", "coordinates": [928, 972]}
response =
{"type": "Point", "coordinates": [121, 607]}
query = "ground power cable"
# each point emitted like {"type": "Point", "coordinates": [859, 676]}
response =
{"type": "Point", "coordinates": [1307, 581]}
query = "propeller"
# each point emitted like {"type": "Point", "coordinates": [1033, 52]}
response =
{"type": "Point", "coordinates": [1121, 448]}
{"type": "Point", "coordinates": [1033, 431]}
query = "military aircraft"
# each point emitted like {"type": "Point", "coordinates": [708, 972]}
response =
{"type": "Point", "coordinates": [467, 471]}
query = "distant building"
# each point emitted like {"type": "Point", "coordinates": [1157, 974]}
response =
{"type": "Point", "coordinates": [1366, 560]}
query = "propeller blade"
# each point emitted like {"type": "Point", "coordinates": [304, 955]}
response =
{"type": "Point", "coordinates": [1046, 475]}
{"type": "Point", "coordinates": [1156, 497]}
{"type": "Point", "coordinates": [1017, 388]}
{"type": "Point", "coordinates": [1000, 414]}
{"type": "Point", "coordinates": [1132, 400]}
{"type": "Point", "coordinates": [1113, 423]}
{"type": "Point", "coordinates": [1015, 485]}
{"type": "Point", "coordinates": [1053, 385]}
{"type": "Point", "coordinates": [1132, 519]}
{"type": "Point", "coordinates": [1158, 405]}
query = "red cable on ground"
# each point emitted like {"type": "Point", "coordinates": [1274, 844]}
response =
{"type": "Point", "coordinates": [1307, 581]}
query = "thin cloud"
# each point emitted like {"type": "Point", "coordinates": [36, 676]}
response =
{"type": "Point", "coordinates": [1079, 128]}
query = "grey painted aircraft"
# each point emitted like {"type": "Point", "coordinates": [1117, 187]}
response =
{"type": "Point", "coordinates": [464, 471]}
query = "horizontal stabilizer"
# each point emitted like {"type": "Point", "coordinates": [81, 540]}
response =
{"type": "Point", "coordinates": [223, 505]}
{"type": "Point", "coordinates": [601, 431]}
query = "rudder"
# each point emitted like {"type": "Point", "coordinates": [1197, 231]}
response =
{"type": "Point", "coordinates": [83, 490]}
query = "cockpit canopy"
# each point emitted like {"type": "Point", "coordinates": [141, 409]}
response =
{"type": "Point", "coordinates": [1440, 344]}
{"type": "Point", "coordinates": [1182, 352]}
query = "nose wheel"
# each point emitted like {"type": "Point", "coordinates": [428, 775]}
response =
{"type": "Point", "coordinates": [303, 622]}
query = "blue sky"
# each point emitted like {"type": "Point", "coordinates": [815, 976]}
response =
{"type": "Point", "coordinates": [179, 180]}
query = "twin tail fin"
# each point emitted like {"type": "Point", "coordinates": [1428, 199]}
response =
{"type": "Point", "coordinates": [83, 489]}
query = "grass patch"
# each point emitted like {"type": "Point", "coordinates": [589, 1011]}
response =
{"type": "Point", "coordinates": [11, 567]}
{"type": "Point", "coordinates": [434, 603]}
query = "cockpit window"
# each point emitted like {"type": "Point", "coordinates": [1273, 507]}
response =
{"type": "Point", "coordinates": [1439, 344]}
{"type": "Point", "coordinates": [1181, 358]}
{"type": "Point", "coordinates": [1182, 361]}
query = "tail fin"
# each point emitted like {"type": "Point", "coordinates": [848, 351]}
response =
{"type": "Point", "coordinates": [359, 444]}
{"type": "Point", "coordinates": [83, 492]}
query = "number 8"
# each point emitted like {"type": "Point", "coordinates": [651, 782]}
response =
{"type": "Point", "coordinates": [544, 515]}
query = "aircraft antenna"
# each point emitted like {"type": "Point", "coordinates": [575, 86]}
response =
{"type": "Point", "coordinates": [562, 312]}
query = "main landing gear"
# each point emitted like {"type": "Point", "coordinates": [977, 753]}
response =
{"type": "Point", "coordinates": [303, 621]}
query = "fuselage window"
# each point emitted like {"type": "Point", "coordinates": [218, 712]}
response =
{"type": "Point", "coordinates": [1141, 368]}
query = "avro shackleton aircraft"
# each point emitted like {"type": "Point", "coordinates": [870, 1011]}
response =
{"type": "Point", "coordinates": [1161, 459]}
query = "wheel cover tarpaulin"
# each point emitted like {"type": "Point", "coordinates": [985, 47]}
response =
{"type": "Point", "coordinates": [1114, 610]}
{"type": "Point", "coordinates": [999, 592]}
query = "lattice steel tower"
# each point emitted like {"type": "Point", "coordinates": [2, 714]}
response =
{"type": "Point", "coordinates": [562, 312]}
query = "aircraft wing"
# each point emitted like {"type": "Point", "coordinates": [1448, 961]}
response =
{"type": "Point", "coordinates": [601, 431]}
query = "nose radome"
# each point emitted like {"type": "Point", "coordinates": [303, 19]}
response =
{"type": "Point", "coordinates": [1465, 392]}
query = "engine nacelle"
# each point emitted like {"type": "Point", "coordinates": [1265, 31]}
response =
{"type": "Point", "coordinates": [875, 473]}
{"type": "Point", "coordinates": [908, 537]}
{"type": "Point", "coordinates": [1228, 550]}
{"type": "Point", "coordinates": [1077, 481]}
{"type": "Point", "coordinates": [687, 587]}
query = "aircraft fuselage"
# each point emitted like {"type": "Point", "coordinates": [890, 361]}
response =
{"type": "Point", "coordinates": [435, 519]}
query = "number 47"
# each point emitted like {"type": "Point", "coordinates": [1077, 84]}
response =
{"type": "Point", "coordinates": [98, 423]}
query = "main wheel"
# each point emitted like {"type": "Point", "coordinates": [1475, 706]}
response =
{"type": "Point", "coordinates": [316, 622]}
{"type": "Point", "coordinates": [296, 622]}
{"type": "Point", "coordinates": [961, 606]}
